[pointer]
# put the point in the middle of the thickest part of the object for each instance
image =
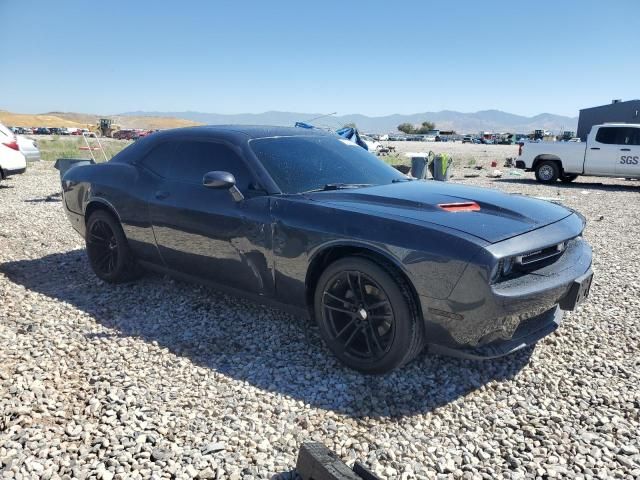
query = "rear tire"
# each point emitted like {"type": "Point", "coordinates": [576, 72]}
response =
{"type": "Point", "coordinates": [109, 254]}
{"type": "Point", "coordinates": [367, 315]}
{"type": "Point", "coordinates": [568, 177]}
{"type": "Point", "coordinates": [547, 171]}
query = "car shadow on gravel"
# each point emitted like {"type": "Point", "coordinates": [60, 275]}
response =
{"type": "Point", "coordinates": [631, 186]}
{"type": "Point", "coordinates": [266, 348]}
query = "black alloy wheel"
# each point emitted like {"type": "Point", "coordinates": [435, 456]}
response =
{"type": "Point", "coordinates": [367, 315]}
{"type": "Point", "coordinates": [359, 315]}
{"type": "Point", "coordinates": [108, 249]}
{"type": "Point", "coordinates": [103, 249]}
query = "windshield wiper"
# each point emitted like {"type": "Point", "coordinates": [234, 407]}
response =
{"type": "Point", "coordinates": [338, 186]}
{"type": "Point", "coordinates": [398, 180]}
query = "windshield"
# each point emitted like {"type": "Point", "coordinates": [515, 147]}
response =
{"type": "Point", "coordinates": [303, 163]}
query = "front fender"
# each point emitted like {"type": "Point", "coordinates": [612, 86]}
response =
{"type": "Point", "coordinates": [433, 259]}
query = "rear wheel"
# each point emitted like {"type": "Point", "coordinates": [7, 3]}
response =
{"type": "Point", "coordinates": [568, 177]}
{"type": "Point", "coordinates": [108, 250]}
{"type": "Point", "coordinates": [367, 315]}
{"type": "Point", "coordinates": [547, 171]}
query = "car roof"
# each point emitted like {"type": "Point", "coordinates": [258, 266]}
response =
{"type": "Point", "coordinates": [251, 131]}
{"type": "Point", "coordinates": [228, 132]}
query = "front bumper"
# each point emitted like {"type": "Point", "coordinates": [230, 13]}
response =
{"type": "Point", "coordinates": [484, 320]}
{"type": "Point", "coordinates": [528, 333]}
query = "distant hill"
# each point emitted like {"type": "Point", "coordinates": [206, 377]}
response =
{"type": "Point", "coordinates": [37, 120]}
{"type": "Point", "coordinates": [489, 120]}
{"type": "Point", "coordinates": [81, 120]}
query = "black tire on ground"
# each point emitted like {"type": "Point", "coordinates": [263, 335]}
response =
{"type": "Point", "coordinates": [568, 177]}
{"type": "Point", "coordinates": [547, 171]}
{"type": "Point", "coordinates": [367, 315]}
{"type": "Point", "coordinates": [109, 254]}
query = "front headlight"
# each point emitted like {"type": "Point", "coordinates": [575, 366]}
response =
{"type": "Point", "coordinates": [507, 266]}
{"type": "Point", "coordinates": [502, 269]}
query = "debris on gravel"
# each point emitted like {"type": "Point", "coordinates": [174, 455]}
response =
{"type": "Point", "coordinates": [164, 379]}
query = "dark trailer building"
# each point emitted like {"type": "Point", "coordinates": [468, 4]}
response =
{"type": "Point", "coordinates": [616, 111]}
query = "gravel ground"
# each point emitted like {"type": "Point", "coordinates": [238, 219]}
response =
{"type": "Point", "coordinates": [163, 379]}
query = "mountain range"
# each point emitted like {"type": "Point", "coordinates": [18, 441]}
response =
{"type": "Point", "coordinates": [486, 120]}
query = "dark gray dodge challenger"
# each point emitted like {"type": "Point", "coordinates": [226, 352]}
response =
{"type": "Point", "coordinates": [311, 222]}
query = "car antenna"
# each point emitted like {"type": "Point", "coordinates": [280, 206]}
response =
{"type": "Point", "coordinates": [321, 116]}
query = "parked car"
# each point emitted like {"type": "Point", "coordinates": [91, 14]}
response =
{"type": "Point", "coordinates": [144, 133]}
{"type": "Point", "coordinates": [12, 161]}
{"type": "Point", "coordinates": [467, 140]}
{"type": "Point", "coordinates": [312, 222]}
{"type": "Point", "coordinates": [611, 150]}
{"type": "Point", "coordinates": [125, 135]}
{"type": "Point", "coordinates": [42, 131]}
{"type": "Point", "coordinates": [29, 148]}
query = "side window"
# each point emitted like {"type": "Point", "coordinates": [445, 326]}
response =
{"type": "Point", "coordinates": [159, 159]}
{"type": "Point", "coordinates": [197, 158]}
{"type": "Point", "coordinates": [635, 137]}
{"type": "Point", "coordinates": [607, 135]}
{"type": "Point", "coordinates": [628, 136]}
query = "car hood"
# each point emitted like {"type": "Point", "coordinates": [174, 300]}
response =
{"type": "Point", "coordinates": [501, 216]}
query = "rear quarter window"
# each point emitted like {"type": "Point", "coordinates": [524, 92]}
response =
{"type": "Point", "coordinates": [159, 159]}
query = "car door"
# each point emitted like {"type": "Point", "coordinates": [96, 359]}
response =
{"type": "Point", "coordinates": [628, 143]}
{"type": "Point", "coordinates": [205, 232]}
{"type": "Point", "coordinates": [602, 153]}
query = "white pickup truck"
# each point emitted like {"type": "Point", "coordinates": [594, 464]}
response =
{"type": "Point", "coordinates": [611, 150]}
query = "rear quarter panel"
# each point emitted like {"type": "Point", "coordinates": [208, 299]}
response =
{"type": "Point", "coordinates": [124, 191]}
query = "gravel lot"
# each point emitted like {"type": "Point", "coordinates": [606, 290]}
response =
{"type": "Point", "coordinates": [163, 379]}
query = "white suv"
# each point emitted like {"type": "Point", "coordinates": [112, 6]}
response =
{"type": "Point", "coordinates": [12, 161]}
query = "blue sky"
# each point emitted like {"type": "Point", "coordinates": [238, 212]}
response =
{"type": "Point", "coordinates": [372, 57]}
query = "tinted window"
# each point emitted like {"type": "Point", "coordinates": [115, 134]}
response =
{"type": "Point", "coordinates": [298, 164]}
{"type": "Point", "coordinates": [159, 160]}
{"type": "Point", "coordinates": [194, 159]}
{"type": "Point", "coordinates": [618, 136]}
{"type": "Point", "coordinates": [628, 136]}
{"type": "Point", "coordinates": [607, 135]}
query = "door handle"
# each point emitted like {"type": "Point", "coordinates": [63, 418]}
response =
{"type": "Point", "coordinates": [595, 148]}
{"type": "Point", "coordinates": [625, 149]}
{"type": "Point", "coordinates": [161, 195]}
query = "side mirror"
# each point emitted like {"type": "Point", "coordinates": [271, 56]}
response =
{"type": "Point", "coordinates": [222, 181]}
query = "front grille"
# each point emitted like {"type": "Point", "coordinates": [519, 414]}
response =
{"type": "Point", "coordinates": [529, 259]}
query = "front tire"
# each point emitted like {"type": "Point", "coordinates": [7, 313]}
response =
{"type": "Point", "coordinates": [547, 171]}
{"type": "Point", "coordinates": [367, 315]}
{"type": "Point", "coordinates": [109, 254]}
